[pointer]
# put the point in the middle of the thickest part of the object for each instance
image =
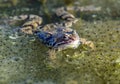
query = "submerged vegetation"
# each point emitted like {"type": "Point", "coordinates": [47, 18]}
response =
{"type": "Point", "coordinates": [24, 60]}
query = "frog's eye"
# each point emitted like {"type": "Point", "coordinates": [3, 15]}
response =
{"type": "Point", "coordinates": [66, 37]}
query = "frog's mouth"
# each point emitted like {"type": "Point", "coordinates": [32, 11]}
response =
{"type": "Point", "coordinates": [68, 41]}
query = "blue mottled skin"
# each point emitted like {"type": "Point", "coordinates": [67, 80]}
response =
{"type": "Point", "coordinates": [49, 40]}
{"type": "Point", "coordinates": [60, 37]}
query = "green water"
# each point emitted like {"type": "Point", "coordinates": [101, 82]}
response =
{"type": "Point", "coordinates": [24, 60]}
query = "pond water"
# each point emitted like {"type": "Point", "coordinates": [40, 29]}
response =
{"type": "Point", "coordinates": [25, 60]}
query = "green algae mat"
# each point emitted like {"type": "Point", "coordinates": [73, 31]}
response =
{"type": "Point", "coordinates": [25, 60]}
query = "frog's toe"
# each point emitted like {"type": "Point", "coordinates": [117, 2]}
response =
{"type": "Point", "coordinates": [87, 43]}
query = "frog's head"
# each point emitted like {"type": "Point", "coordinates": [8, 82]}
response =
{"type": "Point", "coordinates": [60, 38]}
{"type": "Point", "coordinates": [68, 39]}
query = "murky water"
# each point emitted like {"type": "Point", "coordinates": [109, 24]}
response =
{"type": "Point", "coordinates": [25, 60]}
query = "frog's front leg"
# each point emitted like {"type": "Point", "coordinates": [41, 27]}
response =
{"type": "Point", "coordinates": [31, 25]}
{"type": "Point", "coordinates": [87, 43]}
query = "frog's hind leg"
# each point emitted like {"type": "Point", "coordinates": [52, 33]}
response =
{"type": "Point", "coordinates": [31, 25]}
{"type": "Point", "coordinates": [87, 43]}
{"type": "Point", "coordinates": [69, 19]}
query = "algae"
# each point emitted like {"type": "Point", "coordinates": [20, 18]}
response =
{"type": "Point", "coordinates": [25, 60]}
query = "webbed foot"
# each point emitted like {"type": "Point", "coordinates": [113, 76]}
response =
{"type": "Point", "coordinates": [87, 43]}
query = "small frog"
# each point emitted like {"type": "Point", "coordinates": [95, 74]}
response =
{"type": "Point", "coordinates": [59, 35]}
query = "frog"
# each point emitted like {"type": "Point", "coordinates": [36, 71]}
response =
{"type": "Point", "coordinates": [58, 35]}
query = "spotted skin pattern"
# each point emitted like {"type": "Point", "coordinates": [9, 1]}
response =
{"type": "Point", "coordinates": [55, 35]}
{"type": "Point", "coordinates": [60, 37]}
